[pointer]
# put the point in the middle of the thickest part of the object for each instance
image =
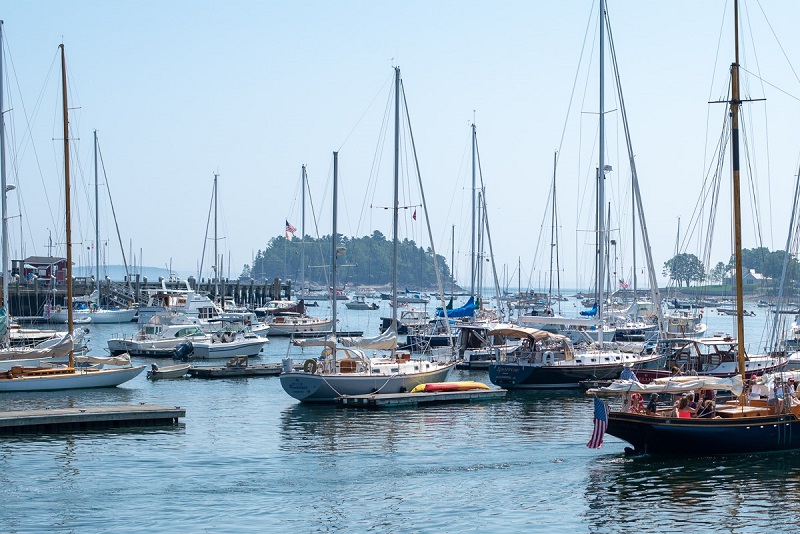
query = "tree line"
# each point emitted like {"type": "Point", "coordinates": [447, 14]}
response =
{"type": "Point", "coordinates": [687, 268]}
{"type": "Point", "coordinates": [362, 261]}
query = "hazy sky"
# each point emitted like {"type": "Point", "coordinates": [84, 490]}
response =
{"type": "Point", "coordinates": [181, 90]}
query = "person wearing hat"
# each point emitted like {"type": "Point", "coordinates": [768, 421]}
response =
{"type": "Point", "coordinates": [652, 406]}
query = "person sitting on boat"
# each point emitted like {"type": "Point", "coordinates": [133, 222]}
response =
{"type": "Point", "coordinates": [691, 404]}
{"type": "Point", "coordinates": [775, 397]}
{"type": "Point", "coordinates": [707, 410]}
{"type": "Point", "coordinates": [676, 371]}
{"type": "Point", "coordinates": [652, 406]}
{"type": "Point", "coordinates": [681, 409]}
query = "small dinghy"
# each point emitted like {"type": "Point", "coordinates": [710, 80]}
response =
{"type": "Point", "coordinates": [466, 385]}
{"type": "Point", "coordinates": [169, 371]}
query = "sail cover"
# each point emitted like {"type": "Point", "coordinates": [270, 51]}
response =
{"type": "Point", "coordinates": [467, 310]}
{"type": "Point", "coordinates": [385, 341]}
{"type": "Point", "coordinates": [673, 384]}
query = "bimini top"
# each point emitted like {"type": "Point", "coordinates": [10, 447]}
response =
{"type": "Point", "coordinates": [523, 332]}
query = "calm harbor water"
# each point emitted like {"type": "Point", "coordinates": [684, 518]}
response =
{"type": "Point", "coordinates": [249, 458]}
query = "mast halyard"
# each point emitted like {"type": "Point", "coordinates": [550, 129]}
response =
{"type": "Point", "coordinates": [735, 103]}
{"type": "Point", "coordinates": [96, 223]}
{"type": "Point", "coordinates": [68, 214]}
{"type": "Point", "coordinates": [601, 184]}
{"type": "Point", "coordinates": [3, 190]}
{"type": "Point", "coordinates": [303, 236]}
{"type": "Point", "coordinates": [334, 248]}
{"type": "Point", "coordinates": [396, 202]}
{"type": "Point", "coordinates": [474, 211]}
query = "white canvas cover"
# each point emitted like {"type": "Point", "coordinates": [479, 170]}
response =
{"type": "Point", "coordinates": [674, 384]}
{"type": "Point", "coordinates": [385, 341]}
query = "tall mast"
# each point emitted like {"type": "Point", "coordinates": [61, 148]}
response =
{"type": "Point", "coordinates": [334, 239]}
{"type": "Point", "coordinates": [452, 259]}
{"type": "Point", "coordinates": [96, 224]}
{"type": "Point", "coordinates": [3, 185]}
{"type": "Point", "coordinates": [601, 176]}
{"type": "Point", "coordinates": [552, 232]}
{"type": "Point", "coordinates": [303, 237]}
{"type": "Point", "coordinates": [68, 215]}
{"type": "Point", "coordinates": [737, 209]}
{"type": "Point", "coordinates": [396, 203]}
{"type": "Point", "coordinates": [472, 195]}
{"type": "Point", "coordinates": [216, 257]}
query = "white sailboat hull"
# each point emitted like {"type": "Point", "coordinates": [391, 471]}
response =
{"type": "Point", "coordinates": [308, 387]}
{"type": "Point", "coordinates": [90, 378]}
{"type": "Point", "coordinates": [95, 316]}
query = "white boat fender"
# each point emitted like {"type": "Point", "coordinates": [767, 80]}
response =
{"type": "Point", "coordinates": [310, 366]}
{"type": "Point", "coordinates": [549, 358]}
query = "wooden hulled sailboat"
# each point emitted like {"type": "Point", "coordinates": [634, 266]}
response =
{"type": "Point", "coordinates": [20, 378]}
{"type": "Point", "coordinates": [741, 426]}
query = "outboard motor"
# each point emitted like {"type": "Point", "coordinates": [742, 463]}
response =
{"type": "Point", "coordinates": [288, 365]}
{"type": "Point", "coordinates": [182, 351]}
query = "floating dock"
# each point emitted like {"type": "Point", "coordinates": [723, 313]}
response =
{"type": "Point", "coordinates": [388, 400]}
{"type": "Point", "coordinates": [239, 371]}
{"type": "Point", "coordinates": [90, 418]}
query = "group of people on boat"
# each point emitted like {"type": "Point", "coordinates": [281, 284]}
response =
{"type": "Point", "coordinates": [688, 405]}
{"type": "Point", "coordinates": [782, 395]}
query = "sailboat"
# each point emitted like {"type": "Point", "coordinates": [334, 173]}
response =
{"type": "Point", "coordinates": [544, 360]}
{"type": "Point", "coordinates": [87, 310]}
{"type": "Point", "coordinates": [742, 426]}
{"type": "Point", "coordinates": [45, 378]}
{"type": "Point", "coordinates": [347, 370]}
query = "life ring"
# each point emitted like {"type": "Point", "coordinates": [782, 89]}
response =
{"type": "Point", "coordinates": [310, 366]}
{"type": "Point", "coordinates": [548, 357]}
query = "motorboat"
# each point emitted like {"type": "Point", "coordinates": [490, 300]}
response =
{"type": "Point", "coordinates": [159, 337]}
{"type": "Point", "coordinates": [226, 343]}
{"type": "Point", "coordinates": [359, 302]}
{"type": "Point", "coordinates": [157, 372]}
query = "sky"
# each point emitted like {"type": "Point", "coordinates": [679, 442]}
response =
{"type": "Point", "coordinates": [180, 91]}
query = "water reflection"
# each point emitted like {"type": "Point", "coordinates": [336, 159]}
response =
{"type": "Point", "coordinates": [759, 492]}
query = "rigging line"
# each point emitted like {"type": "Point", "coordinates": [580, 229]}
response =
{"type": "Point", "coordinates": [766, 130]}
{"type": "Point", "coordinates": [205, 240]}
{"type": "Point", "coordinates": [770, 84]}
{"type": "Point", "coordinates": [486, 222]}
{"type": "Point", "coordinates": [439, 284]}
{"type": "Point", "coordinates": [114, 214]}
{"type": "Point", "coordinates": [575, 80]}
{"type": "Point", "coordinates": [786, 57]}
{"type": "Point", "coordinates": [751, 179]}
{"type": "Point", "coordinates": [377, 158]}
{"type": "Point", "coordinates": [365, 111]}
{"type": "Point", "coordinates": [15, 162]}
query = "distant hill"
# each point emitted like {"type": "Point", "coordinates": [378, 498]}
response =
{"type": "Point", "coordinates": [117, 272]}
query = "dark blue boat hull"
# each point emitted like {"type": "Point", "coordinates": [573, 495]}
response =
{"type": "Point", "coordinates": [664, 435]}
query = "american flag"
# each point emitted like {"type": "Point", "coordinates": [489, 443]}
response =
{"type": "Point", "coordinates": [289, 229]}
{"type": "Point", "coordinates": [623, 284]}
{"type": "Point", "coordinates": [600, 424]}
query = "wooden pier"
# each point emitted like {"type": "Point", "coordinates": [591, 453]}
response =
{"type": "Point", "coordinates": [391, 400]}
{"type": "Point", "coordinates": [90, 418]}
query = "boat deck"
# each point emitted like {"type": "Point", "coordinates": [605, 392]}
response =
{"type": "Point", "coordinates": [91, 418]}
{"type": "Point", "coordinates": [390, 400]}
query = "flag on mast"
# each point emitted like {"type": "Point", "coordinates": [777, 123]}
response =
{"type": "Point", "coordinates": [289, 229]}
